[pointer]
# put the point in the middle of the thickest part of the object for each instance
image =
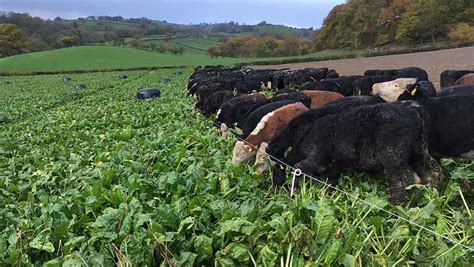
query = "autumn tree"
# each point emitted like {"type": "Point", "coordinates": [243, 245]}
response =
{"type": "Point", "coordinates": [214, 51]}
{"type": "Point", "coordinates": [461, 32]}
{"type": "Point", "coordinates": [360, 24]}
{"type": "Point", "coordinates": [12, 40]}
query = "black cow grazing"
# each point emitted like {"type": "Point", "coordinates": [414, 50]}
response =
{"type": "Point", "coordinates": [410, 72]}
{"type": "Point", "coordinates": [67, 79]}
{"type": "Point", "coordinates": [212, 103]}
{"type": "Point", "coordinates": [297, 96]}
{"type": "Point", "coordinates": [451, 124]}
{"type": "Point", "coordinates": [363, 86]}
{"type": "Point", "coordinates": [343, 85]}
{"type": "Point", "coordinates": [325, 85]}
{"type": "Point", "coordinates": [372, 138]}
{"type": "Point", "coordinates": [298, 127]}
{"type": "Point", "coordinates": [284, 91]}
{"type": "Point", "coordinates": [392, 72]}
{"type": "Point", "coordinates": [332, 74]}
{"type": "Point", "coordinates": [297, 78]}
{"type": "Point", "coordinates": [449, 77]}
{"type": "Point", "coordinates": [263, 77]}
{"type": "Point", "coordinates": [123, 76]}
{"type": "Point", "coordinates": [229, 112]}
{"type": "Point", "coordinates": [239, 113]}
{"type": "Point", "coordinates": [250, 86]}
{"type": "Point", "coordinates": [204, 91]}
{"type": "Point", "coordinates": [255, 116]}
{"type": "Point", "coordinates": [450, 121]}
{"type": "Point", "coordinates": [467, 90]}
{"type": "Point", "coordinates": [278, 79]}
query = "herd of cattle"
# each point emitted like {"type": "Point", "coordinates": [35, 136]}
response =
{"type": "Point", "coordinates": [324, 124]}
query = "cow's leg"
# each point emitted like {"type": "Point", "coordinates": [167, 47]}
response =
{"type": "Point", "coordinates": [428, 169]}
{"type": "Point", "coordinates": [398, 176]}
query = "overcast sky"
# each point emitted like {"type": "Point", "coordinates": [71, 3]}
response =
{"type": "Point", "coordinates": [298, 13]}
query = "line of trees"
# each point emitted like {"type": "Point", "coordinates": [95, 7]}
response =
{"type": "Point", "coordinates": [266, 45]}
{"type": "Point", "coordinates": [161, 48]}
{"type": "Point", "coordinates": [360, 24]}
{"type": "Point", "coordinates": [39, 35]}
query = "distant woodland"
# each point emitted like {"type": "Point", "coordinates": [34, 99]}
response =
{"type": "Point", "coordinates": [367, 24]}
{"type": "Point", "coordinates": [355, 25]}
{"type": "Point", "coordinates": [362, 24]}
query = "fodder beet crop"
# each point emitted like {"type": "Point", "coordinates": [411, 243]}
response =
{"type": "Point", "coordinates": [98, 177]}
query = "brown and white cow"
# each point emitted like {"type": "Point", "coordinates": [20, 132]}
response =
{"type": "Point", "coordinates": [321, 98]}
{"type": "Point", "coordinates": [466, 79]}
{"type": "Point", "coordinates": [269, 127]}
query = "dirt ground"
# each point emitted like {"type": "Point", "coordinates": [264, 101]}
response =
{"type": "Point", "coordinates": [433, 62]}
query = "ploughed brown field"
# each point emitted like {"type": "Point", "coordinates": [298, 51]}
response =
{"type": "Point", "coordinates": [433, 62]}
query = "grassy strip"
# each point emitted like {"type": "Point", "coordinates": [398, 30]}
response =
{"type": "Point", "coordinates": [188, 46]}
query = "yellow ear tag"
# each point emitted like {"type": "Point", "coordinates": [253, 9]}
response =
{"type": "Point", "coordinates": [413, 92]}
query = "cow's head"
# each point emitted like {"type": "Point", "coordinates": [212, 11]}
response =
{"type": "Point", "coordinates": [242, 152]}
{"type": "Point", "coordinates": [390, 91]}
{"type": "Point", "coordinates": [261, 157]}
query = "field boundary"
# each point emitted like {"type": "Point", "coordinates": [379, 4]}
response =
{"type": "Point", "coordinates": [34, 73]}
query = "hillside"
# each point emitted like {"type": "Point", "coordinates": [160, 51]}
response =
{"type": "Point", "coordinates": [380, 23]}
{"type": "Point", "coordinates": [33, 34]}
{"type": "Point", "coordinates": [110, 57]}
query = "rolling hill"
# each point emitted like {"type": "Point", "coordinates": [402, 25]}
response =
{"type": "Point", "coordinates": [110, 57]}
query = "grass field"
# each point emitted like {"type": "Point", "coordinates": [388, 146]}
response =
{"type": "Point", "coordinates": [109, 57]}
{"type": "Point", "coordinates": [95, 177]}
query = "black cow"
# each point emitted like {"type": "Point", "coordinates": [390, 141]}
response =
{"type": "Point", "coordinates": [450, 120]}
{"type": "Point", "coordinates": [343, 85]}
{"type": "Point", "coordinates": [371, 138]}
{"type": "Point", "coordinates": [467, 89]}
{"type": "Point", "coordinates": [410, 72]}
{"type": "Point", "coordinates": [246, 87]}
{"type": "Point", "coordinates": [278, 79]}
{"type": "Point", "coordinates": [449, 77]}
{"type": "Point", "coordinates": [231, 110]}
{"type": "Point", "coordinates": [332, 74]}
{"type": "Point", "coordinates": [298, 127]}
{"type": "Point", "coordinates": [297, 78]}
{"type": "Point", "coordinates": [212, 103]}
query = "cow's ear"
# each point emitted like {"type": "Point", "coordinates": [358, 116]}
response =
{"type": "Point", "coordinates": [412, 88]}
